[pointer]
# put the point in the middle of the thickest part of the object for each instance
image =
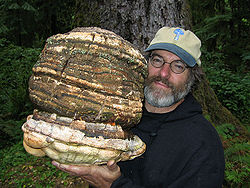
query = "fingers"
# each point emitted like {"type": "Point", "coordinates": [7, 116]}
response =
{"type": "Point", "coordinates": [112, 165]}
{"type": "Point", "coordinates": [97, 175]}
{"type": "Point", "coordinates": [56, 164]}
{"type": "Point", "coordinates": [72, 169]}
{"type": "Point", "coordinates": [85, 171]}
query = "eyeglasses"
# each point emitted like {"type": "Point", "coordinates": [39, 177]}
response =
{"type": "Point", "coordinates": [176, 66]}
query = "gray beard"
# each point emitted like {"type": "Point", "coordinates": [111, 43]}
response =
{"type": "Point", "coordinates": [158, 97]}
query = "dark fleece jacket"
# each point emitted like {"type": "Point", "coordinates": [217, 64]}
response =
{"type": "Point", "coordinates": [183, 150]}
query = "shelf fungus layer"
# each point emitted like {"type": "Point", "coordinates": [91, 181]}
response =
{"type": "Point", "coordinates": [87, 87]}
{"type": "Point", "coordinates": [78, 142]}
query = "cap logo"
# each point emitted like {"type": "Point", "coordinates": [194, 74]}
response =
{"type": "Point", "coordinates": [178, 32]}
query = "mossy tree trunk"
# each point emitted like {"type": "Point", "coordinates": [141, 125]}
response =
{"type": "Point", "coordinates": [137, 21]}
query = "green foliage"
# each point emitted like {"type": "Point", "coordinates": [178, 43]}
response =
{"type": "Point", "coordinates": [28, 22]}
{"type": "Point", "coordinates": [226, 131]}
{"type": "Point", "coordinates": [16, 67]}
{"type": "Point", "coordinates": [20, 169]}
{"type": "Point", "coordinates": [17, 20]}
{"type": "Point", "coordinates": [223, 27]}
{"type": "Point", "coordinates": [236, 150]}
{"type": "Point", "coordinates": [232, 89]}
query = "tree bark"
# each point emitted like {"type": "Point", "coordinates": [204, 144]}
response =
{"type": "Point", "coordinates": [137, 21]}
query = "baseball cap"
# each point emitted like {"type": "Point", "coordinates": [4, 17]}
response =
{"type": "Point", "coordinates": [183, 43]}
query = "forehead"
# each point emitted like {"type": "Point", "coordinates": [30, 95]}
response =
{"type": "Point", "coordinates": [165, 54]}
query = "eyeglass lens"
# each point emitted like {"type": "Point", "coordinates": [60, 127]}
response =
{"type": "Point", "coordinates": [177, 66]}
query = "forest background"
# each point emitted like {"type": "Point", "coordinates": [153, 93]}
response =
{"type": "Point", "coordinates": [223, 27]}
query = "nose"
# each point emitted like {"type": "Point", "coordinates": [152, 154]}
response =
{"type": "Point", "coordinates": [165, 71]}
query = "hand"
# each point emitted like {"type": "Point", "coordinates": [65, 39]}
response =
{"type": "Point", "coordinates": [99, 176]}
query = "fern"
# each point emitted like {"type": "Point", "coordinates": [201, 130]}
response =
{"type": "Point", "coordinates": [236, 151]}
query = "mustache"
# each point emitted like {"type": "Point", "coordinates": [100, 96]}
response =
{"type": "Point", "coordinates": [150, 80]}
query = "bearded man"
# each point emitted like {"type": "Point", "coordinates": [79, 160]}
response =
{"type": "Point", "coordinates": [183, 148]}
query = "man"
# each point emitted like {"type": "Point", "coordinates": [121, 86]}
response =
{"type": "Point", "coordinates": [183, 148]}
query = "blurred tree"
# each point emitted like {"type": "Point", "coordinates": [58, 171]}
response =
{"type": "Point", "coordinates": [30, 22]}
{"type": "Point", "coordinates": [136, 21]}
{"type": "Point", "coordinates": [15, 21]}
{"type": "Point", "coordinates": [224, 26]}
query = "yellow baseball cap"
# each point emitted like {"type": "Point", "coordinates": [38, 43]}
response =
{"type": "Point", "coordinates": [182, 43]}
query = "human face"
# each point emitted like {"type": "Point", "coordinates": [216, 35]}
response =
{"type": "Point", "coordinates": [163, 87]}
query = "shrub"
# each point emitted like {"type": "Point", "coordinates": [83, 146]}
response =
{"type": "Point", "coordinates": [236, 151]}
{"type": "Point", "coordinates": [231, 88]}
{"type": "Point", "coordinates": [16, 67]}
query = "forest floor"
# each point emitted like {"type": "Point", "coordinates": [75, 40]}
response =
{"type": "Point", "coordinates": [20, 169]}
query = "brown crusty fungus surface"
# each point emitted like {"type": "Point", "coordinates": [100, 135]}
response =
{"type": "Point", "coordinates": [87, 88]}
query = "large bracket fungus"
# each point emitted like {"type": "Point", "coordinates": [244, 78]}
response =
{"type": "Point", "coordinates": [87, 87]}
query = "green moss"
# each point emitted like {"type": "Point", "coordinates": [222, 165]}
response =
{"type": "Point", "coordinates": [49, 41]}
{"type": "Point", "coordinates": [79, 51]}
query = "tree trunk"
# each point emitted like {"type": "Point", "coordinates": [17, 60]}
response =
{"type": "Point", "coordinates": [137, 21]}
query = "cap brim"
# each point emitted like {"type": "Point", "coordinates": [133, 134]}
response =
{"type": "Point", "coordinates": [185, 56]}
